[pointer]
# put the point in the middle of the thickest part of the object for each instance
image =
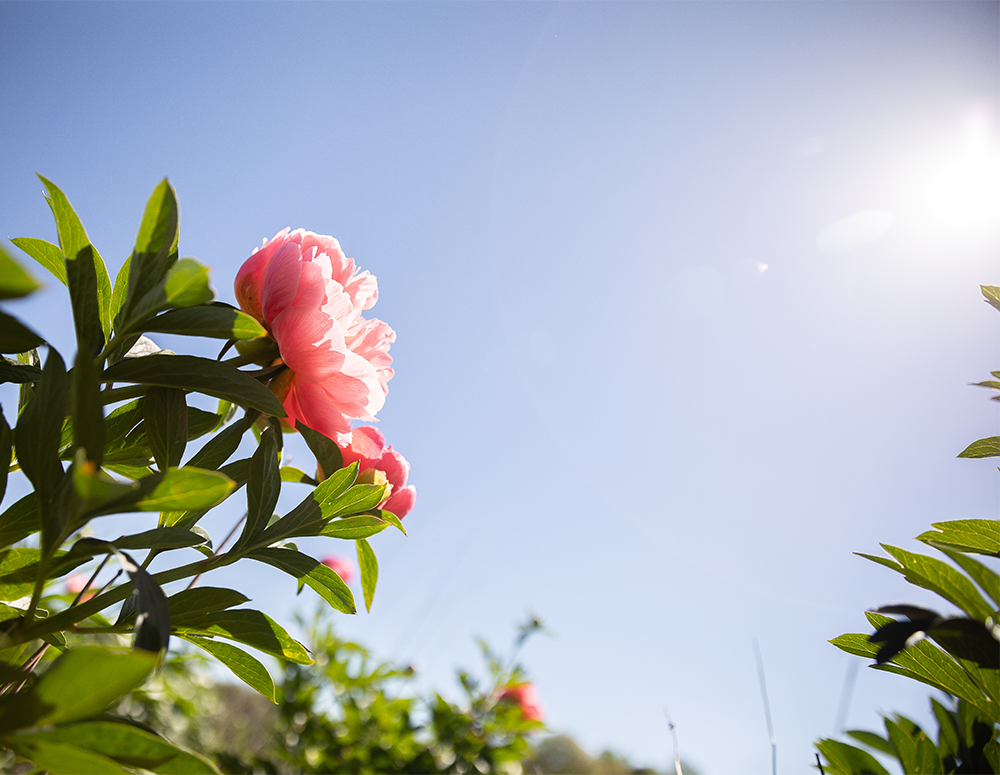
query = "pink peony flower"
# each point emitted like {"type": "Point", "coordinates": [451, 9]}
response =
{"type": "Point", "coordinates": [342, 567]}
{"type": "Point", "coordinates": [524, 695]}
{"type": "Point", "coordinates": [367, 444]}
{"type": "Point", "coordinates": [310, 296]}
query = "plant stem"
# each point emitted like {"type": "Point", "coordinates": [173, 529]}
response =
{"type": "Point", "coordinates": [222, 545]}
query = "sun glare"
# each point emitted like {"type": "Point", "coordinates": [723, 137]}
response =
{"type": "Point", "coordinates": [955, 196]}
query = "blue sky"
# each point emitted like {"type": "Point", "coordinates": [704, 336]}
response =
{"type": "Point", "coordinates": [686, 297]}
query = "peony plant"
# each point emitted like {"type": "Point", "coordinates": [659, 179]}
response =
{"type": "Point", "coordinates": [120, 427]}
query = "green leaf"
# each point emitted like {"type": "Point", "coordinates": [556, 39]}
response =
{"type": "Point", "coordinates": [356, 500]}
{"type": "Point", "coordinates": [154, 254]}
{"type": "Point", "coordinates": [979, 536]}
{"type": "Point", "coordinates": [86, 409]}
{"type": "Point", "coordinates": [296, 475]}
{"type": "Point", "coordinates": [313, 573]}
{"type": "Point", "coordinates": [219, 448]}
{"type": "Point", "coordinates": [364, 526]}
{"type": "Point", "coordinates": [81, 682]}
{"type": "Point", "coordinates": [188, 489]}
{"type": "Point", "coordinates": [36, 438]}
{"type": "Point", "coordinates": [369, 571]}
{"type": "Point", "coordinates": [165, 413]}
{"type": "Point", "coordinates": [193, 605]}
{"type": "Point", "coordinates": [14, 281]}
{"type": "Point", "coordinates": [983, 448]}
{"type": "Point", "coordinates": [391, 518]}
{"type": "Point", "coordinates": [86, 275]}
{"type": "Point", "coordinates": [872, 740]}
{"type": "Point", "coordinates": [58, 758]}
{"type": "Point", "coordinates": [986, 578]}
{"type": "Point", "coordinates": [6, 452]}
{"type": "Point", "coordinates": [148, 605]}
{"type": "Point", "coordinates": [891, 564]}
{"type": "Point", "coordinates": [252, 628]}
{"type": "Point", "coordinates": [236, 471]}
{"type": "Point", "coordinates": [844, 759]}
{"type": "Point", "coordinates": [916, 753]}
{"type": "Point", "coordinates": [124, 743]}
{"type": "Point", "coordinates": [17, 372]}
{"type": "Point", "coordinates": [187, 284]}
{"type": "Point", "coordinates": [27, 389]}
{"type": "Point", "coordinates": [19, 520]}
{"type": "Point", "coordinates": [328, 455]}
{"type": "Point", "coordinates": [219, 322]}
{"type": "Point", "coordinates": [161, 538]}
{"type": "Point", "coordinates": [927, 663]}
{"type": "Point", "coordinates": [17, 573]}
{"type": "Point", "coordinates": [938, 576]}
{"type": "Point", "coordinates": [948, 744]}
{"type": "Point", "coordinates": [119, 291]}
{"type": "Point", "coordinates": [263, 487]}
{"type": "Point", "coordinates": [336, 484]}
{"type": "Point", "coordinates": [202, 375]}
{"type": "Point", "coordinates": [45, 253]}
{"type": "Point", "coordinates": [245, 667]}
{"type": "Point", "coordinates": [992, 294]}
{"type": "Point", "coordinates": [15, 337]}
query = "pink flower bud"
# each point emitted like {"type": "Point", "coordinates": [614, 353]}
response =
{"type": "Point", "coordinates": [310, 296]}
{"type": "Point", "coordinates": [367, 446]}
{"type": "Point", "coordinates": [341, 566]}
{"type": "Point", "coordinates": [526, 698]}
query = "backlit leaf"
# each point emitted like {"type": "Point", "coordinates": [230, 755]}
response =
{"type": "Point", "coordinates": [14, 281]}
{"type": "Point", "coordinates": [368, 565]}
{"type": "Point", "coordinates": [220, 322]}
{"type": "Point", "coordinates": [252, 628]}
{"type": "Point", "coordinates": [245, 667]}
{"type": "Point", "coordinates": [202, 375]}
{"type": "Point", "coordinates": [186, 489]}
{"type": "Point", "coordinates": [317, 576]}
{"type": "Point", "coordinates": [45, 253]}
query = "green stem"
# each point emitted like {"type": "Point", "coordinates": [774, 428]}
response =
{"type": "Point", "coordinates": [66, 619]}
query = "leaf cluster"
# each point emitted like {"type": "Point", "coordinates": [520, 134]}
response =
{"type": "Point", "coordinates": [109, 431]}
{"type": "Point", "coordinates": [958, 654]}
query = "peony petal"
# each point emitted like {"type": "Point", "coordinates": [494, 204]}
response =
{"type": "Point", "coordinates": [310, 343]}
{"type": "Point", "coordinates": [401, 501]}
{"type": "Point", "coordinates": [371, 341]}
{"type": "Point", "coordinates": [281, 281]}
{"type": "Point", "coordinates": [367, 445]}
{"type": "Point", "coordinates": [356, 388]}
{"type": "Point", "coordinates": [363, 291]}
{"type": "Point", "coordinates": [310, 403]}
{"type": "Point", "coordinates": [311, 291]}
{"type": "Point", "coordinates": [395, 466]}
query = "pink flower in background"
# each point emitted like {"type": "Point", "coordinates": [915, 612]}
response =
{"type": "Point", "coordinates": [76, 583]}
{"type": "Point", "coordinates": [310, 297]}
{"type": "Point", "coordinates": [367, 445]}
{"type": "Point", "coordinates": [525, 696]}
{"type": "Point", "coordinates": [342, 567]}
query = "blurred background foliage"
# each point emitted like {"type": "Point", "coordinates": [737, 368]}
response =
{"type": "Point", "coordinates": [351, 713]}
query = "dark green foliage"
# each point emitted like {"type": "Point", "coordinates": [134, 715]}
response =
{"type": "Point", "coordinates": [109, 436]}
{"type": "Point", "coordinates": [958, 655]}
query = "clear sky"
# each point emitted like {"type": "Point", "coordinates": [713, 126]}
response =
{"type": "Point", "coordinates": [686, 297]}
